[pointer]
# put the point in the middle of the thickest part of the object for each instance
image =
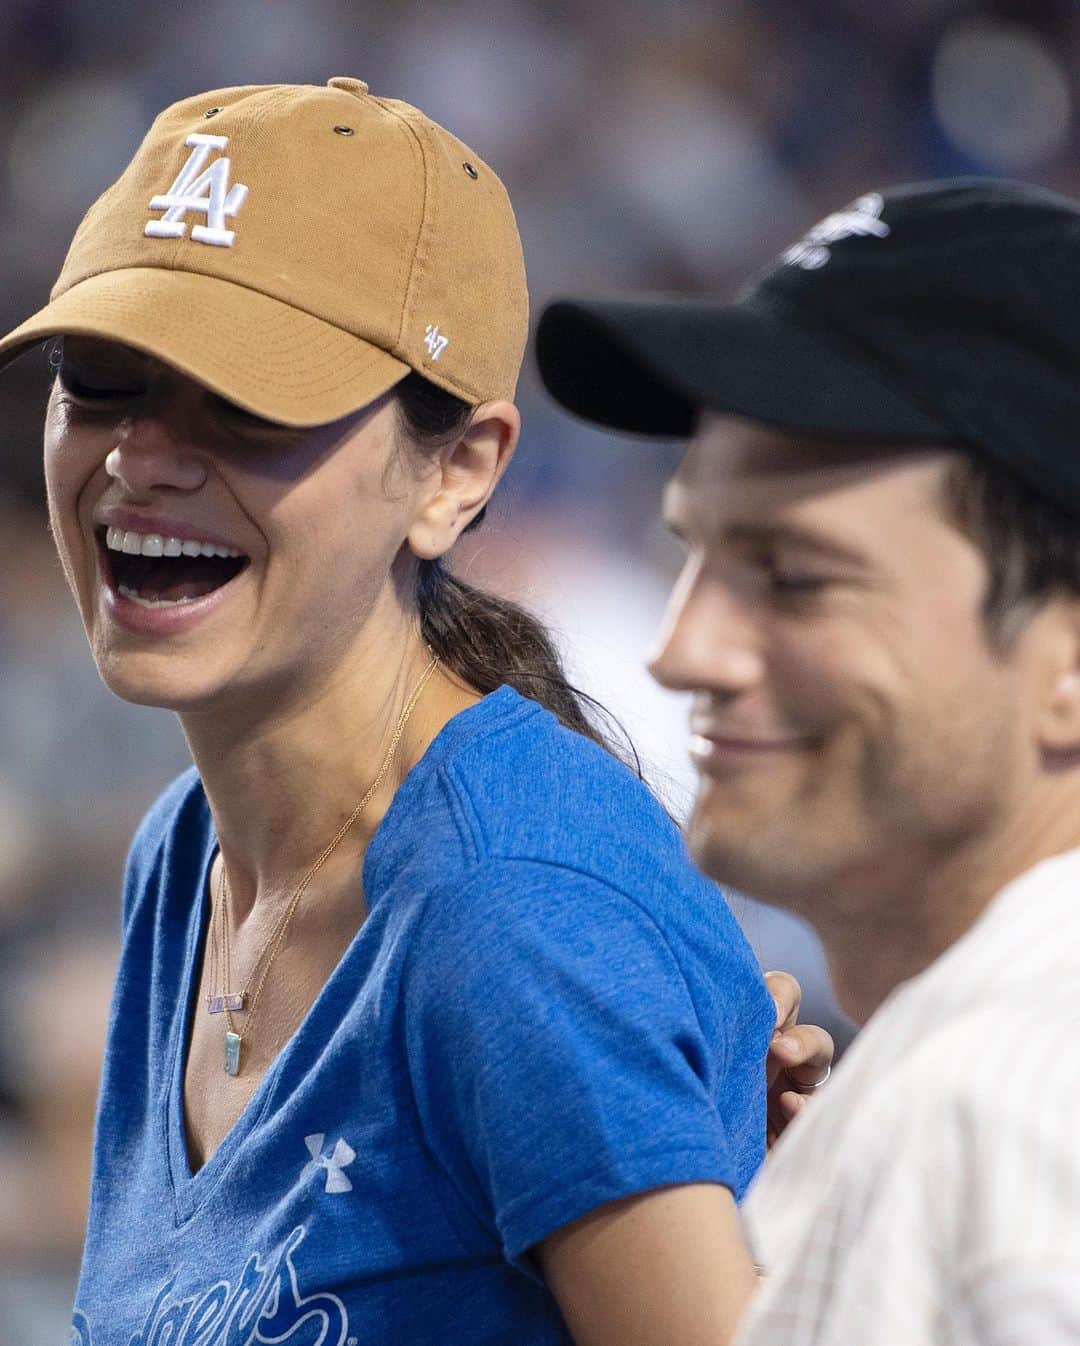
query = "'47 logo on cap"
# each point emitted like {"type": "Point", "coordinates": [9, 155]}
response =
{"type": "Point", "coordinates": [200, 188]}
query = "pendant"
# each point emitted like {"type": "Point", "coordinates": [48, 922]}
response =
{"type": "Point", "coordinates": [217, 1004]}
{"type": "Point", "coordinates": [232, 1053]}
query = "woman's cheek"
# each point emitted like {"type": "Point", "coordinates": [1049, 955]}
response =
{"type": "Point", "coordinates": [61, 525]}
{"type": "Point", "coordinates": [63, 495]}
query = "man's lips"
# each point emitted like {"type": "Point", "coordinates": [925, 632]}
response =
{"type": "Point", "coordinates": [714, 746]}
{"type": "Point", "coordinates": [735, 739]}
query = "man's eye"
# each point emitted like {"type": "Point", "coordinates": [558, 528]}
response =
{"type": "Point", "coordinates": [796, 582]}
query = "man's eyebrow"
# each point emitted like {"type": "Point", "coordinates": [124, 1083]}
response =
{"type": "Point", "coordinates": [682, 517]}
{"type": "Point", "coordinates": [793, 535]}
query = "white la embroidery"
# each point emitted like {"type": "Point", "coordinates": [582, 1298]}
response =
{"type": "Point", "coordinates": [342, 1157]}
{"type": "Point", "coordinates": [201, 188]}
{"type": "Point", "coordinates": [862, 217]}
{"type": "Point", "coordinates": [435, 343]}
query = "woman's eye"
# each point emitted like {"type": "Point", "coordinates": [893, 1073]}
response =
{"type": "Point", "coordinates": [238, 416]}
{"type": "Point", "coordinates": [92, 387]}
{"type": "Point", "coordinates": [246, 426]}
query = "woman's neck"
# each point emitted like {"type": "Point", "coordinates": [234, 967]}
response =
{"type": "Point", "coordinates": [280, 784]}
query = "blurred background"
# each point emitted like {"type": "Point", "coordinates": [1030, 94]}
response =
{"type": "Point", "coordinates": [646, 145]}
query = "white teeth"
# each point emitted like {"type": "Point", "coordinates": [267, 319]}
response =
{"type": "Point", "coordinates": [154, 544]}
{"type": "Point", "coordinates": [136, 597]}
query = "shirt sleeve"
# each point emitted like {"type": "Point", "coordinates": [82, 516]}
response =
{"type": "Point", "coordinates": [555, 1055]}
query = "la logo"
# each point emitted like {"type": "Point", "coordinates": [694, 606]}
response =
{"type": "Point", "coordinates": [203, 188]}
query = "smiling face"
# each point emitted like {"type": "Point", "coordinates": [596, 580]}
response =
{"type": "Point", "coordinates": [852, 724]}
{"type": "Point", "coordinates": [216, 557]}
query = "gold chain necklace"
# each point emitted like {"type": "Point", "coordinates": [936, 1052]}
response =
{"type": "Point", "coordinates": [228, 1001]}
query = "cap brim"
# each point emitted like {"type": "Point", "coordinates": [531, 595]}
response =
{"type": "Point", "coordinates": [265, 356]}
{"type": "Point", "coordinates": [648, 366]}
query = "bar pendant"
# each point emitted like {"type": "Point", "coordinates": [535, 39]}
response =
{"type": "Point", "coordinates": [232, 1053]}
{"type": "Point", "coordinates": [218, 1004]}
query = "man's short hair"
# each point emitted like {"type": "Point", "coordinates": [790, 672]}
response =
{"type": "Point", "coordinates": [1030, 543]}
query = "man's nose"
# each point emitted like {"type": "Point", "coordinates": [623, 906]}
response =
{"type": "Point", "coordinates": [150, 455]}
{"type": "Point", "coordinates": [707, 641]}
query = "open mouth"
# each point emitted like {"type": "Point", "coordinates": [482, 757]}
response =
{"type": "Point", "coordinates": [157, 571]}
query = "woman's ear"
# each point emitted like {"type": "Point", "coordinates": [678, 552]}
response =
{"type": "Point", "coordinates": [469, 469]}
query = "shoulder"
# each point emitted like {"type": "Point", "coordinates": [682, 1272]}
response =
{"type": "Point", "coordinates": [522, 934]}
{"type": "Point", "coordinates": [522, 834]}
{"type": "Point", "coordinates": [1004, 1079]}
{"type": "Point", "coordinates": [989, 1060]}
{"type": "Point", "coordinates": [506, 906]}
{"type": "Point", "coordinates": [982, 1103]}
{"type": "Point", "coordinates": [530, 788]}
{"type": "Point", "coordinates": [955, 1164]}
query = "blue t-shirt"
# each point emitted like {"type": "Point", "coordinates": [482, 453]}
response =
{"type": "Point", "coordinates": [546, 1009]}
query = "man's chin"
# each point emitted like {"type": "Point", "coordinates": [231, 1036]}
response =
{"type": "Point", "coordinates": [712, 852]}
{"type": "Point", "coordinates": [724, 855]}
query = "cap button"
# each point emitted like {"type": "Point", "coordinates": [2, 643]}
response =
{"type": "Point", "coordinates": [346, 82]}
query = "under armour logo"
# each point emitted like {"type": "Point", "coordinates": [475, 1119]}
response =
{"type": "Point", "coordinates": [435, 343]}
{"type": "Point", "coordinates": [862, 217]}
{"type": "Point", "coordinates": [341, 1158]}
{"type": "Point", "coordinates": [203, 189]}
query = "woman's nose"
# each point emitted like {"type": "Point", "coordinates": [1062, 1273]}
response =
{"type": "Point", "coordinates": [150, 456]}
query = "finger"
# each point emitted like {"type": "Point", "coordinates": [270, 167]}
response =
{"type": "Point", "coordinates": [787, 995]}
{"type": "Point", "coordinates": [805, 1050]}
{"type": "Point", "coordinates": [783, 1108]}
{"type": "Point", "coordinates": [805, 1053]}
{"type": "Point", "coordinates": [790, 1104]}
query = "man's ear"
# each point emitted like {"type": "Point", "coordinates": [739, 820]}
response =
{"type": "Point", "coordinates": [1059, 706]}
{"type": "Point", "coordinates": [469, 469]}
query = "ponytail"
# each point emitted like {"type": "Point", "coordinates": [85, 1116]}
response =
{"type": "Point", "coordinates": [484, 639]}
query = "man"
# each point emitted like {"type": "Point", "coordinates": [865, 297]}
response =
{"type": "Point", "coordinates": [879, 618]}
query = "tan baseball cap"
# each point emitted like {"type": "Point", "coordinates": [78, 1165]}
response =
{"type": "Point", "coordinates": [298, 250]}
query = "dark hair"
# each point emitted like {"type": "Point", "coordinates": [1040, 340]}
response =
{"type": "Point", "coordinates": [484, 639]}
{"type": "Point", "coordinates": [1031, 544]}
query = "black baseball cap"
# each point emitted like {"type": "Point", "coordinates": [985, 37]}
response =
{"type": "Point", "coordinates": [945, 312]}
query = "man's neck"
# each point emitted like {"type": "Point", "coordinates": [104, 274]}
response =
{"type": "Point", "coordinates": [910, 921]}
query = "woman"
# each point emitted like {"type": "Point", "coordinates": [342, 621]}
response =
{"type": "Point", "coordinates": [425, 1029]}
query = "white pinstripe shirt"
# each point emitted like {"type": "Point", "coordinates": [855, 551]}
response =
{"type": "Point", "coordinates": [931, 1195]}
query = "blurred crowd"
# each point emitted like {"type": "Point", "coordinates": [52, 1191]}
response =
{"type": "Point", "coordinates": [646, 145]}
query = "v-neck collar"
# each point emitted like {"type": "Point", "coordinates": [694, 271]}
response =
{"type": "Point", "coordinates": [190, 1190]}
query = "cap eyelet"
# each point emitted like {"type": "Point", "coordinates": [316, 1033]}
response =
{"type": "Point", "coordinates": [212, 112]}
{"type": "Point", "coordinates": [344, 131]}
{"type": "Point", "coordinates": [471, 171]}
